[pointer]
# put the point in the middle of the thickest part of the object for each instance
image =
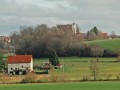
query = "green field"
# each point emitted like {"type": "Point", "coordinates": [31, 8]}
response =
{"type": "Point", "coordinates": [113, 44]}
{"type": "Point", "coordinates": [76, 67]}
{"type": "Point", "coordinates": [65, 86]}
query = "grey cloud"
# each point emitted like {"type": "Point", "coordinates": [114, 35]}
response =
{"type": "Point", "coordinates": [87, 13]}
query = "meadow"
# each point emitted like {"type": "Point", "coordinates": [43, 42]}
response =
{"type": "Point", "coordinates": [75, 71]}
{"type": "Point", "coordinates": [75, 68]}
{"type": "Point", "coordinates": [112, 44]}
{"type": "Point", "coordinates": [114, 85]}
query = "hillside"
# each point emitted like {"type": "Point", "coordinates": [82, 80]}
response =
{"type": "Point", "coordinates": [112, 44]}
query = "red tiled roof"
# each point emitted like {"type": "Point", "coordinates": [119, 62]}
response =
{"type": "Point", "coordinates": [19, 59]}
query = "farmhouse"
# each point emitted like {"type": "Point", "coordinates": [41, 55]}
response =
{"type": "Point", "coordinates": [20, 64]}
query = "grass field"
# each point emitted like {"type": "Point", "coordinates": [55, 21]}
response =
{"type": "Point", "coordinates": [65, 86]}
{"type": "Point", "coordinates": [76, 67]}
{"type": "Point", "coordinates": [113, 44]}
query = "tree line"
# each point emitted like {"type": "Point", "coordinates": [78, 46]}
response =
{"type": "Point", "coordinates": [39, 40]}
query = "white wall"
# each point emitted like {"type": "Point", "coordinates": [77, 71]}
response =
{"type": "Point", "coordinates": [74, 27]}
{"type": "Point", "coordinates": [31, 65]}
{"type": "Point", "coordinates": [22, 66]}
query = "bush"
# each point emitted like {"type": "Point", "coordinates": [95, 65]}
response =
{"type": "Point", "coordinates": [3, 78]}
{"type": "Point", "coordinates": [84, 50]}
{"type": "Point", "coordinates": [109, 53]}
{"type": "Point", "coordinates": [94, 68]}
{"type": "Point", "coordinates": [30, 78]}
{"type": "Point", "coordinates": [86, 78]}
{"type": "Point", "coordinates": [54, 77]}
{"type": "Point", "coordinates": [108, 76]}
{"type": "Point", "coordinates": [118, 58]}
{"type": "Point", "coordinates": [118, 77]}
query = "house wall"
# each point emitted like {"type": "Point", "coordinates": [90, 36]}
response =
{"type": "Point", "coordinates": [74, 28]}
{"type": "Point", "coordinates": [68, 28]}
{"type": "Point", "coordinates": [22, 66]}
{"type": "Point", "coordinates": [31, 65]}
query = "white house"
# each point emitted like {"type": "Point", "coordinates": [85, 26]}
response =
{"type": "Point", "coordinates": [20, 64]}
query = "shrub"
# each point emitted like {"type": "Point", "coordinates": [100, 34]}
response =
{"type": "Point", "coordinates": [86, 78]}
{"type": "Point", "coordinates": [108, 76]}
{"type": "Point", "coordinates": [53, 76]}
{"type": "Point", "coordinates": [3, 78]}
{"type": "Point", "coordinates": [94, 69]}
{"type": "Point", "coordinates": [84, 50]}
{"type": "Point", "coordinates": [30, 78]}
{"type": "Point", "coordinates": [109, 53]}
{"type": "Point", "coordinates": [118, 77]}
{"type": "Point", "coordinates": [118, 58]}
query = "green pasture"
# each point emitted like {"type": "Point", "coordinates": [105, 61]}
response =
{"type": "Point", "coordinates": [112, 44]}
{"type": "Point", "coordinates": [65, 86]}
{"type": "Point", "coordinates": [75, 68]}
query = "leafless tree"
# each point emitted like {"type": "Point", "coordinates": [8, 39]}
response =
{"type": "Point", "coordinates": [96, 51]}
{"type": "Point", "coordinates": [94, 69]}
{"type": "Point", "coordinates": [40, 39]}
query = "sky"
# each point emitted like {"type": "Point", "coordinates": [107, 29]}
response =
{"type": "Point", "coordinates": [104, 14]}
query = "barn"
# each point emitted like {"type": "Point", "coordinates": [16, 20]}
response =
{"type": "Point", "coordinates": [20, 64]}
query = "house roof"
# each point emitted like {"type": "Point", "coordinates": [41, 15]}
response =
{"type": "Point", "coordinates": [19, 59]}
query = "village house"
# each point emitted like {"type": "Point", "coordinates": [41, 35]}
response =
{"type": "Point", "coordinates": [20, 64]}
{"type": "Point", "coordinates": [5, 39]}
{"type": "Point", "coordinates": [105, 35]}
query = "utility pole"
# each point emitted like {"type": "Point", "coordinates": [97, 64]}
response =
{"type": "Point", "coordinates": [63, 67]}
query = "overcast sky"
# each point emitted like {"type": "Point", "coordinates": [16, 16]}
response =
{"type": "Point", "coordinates": [105, 14]}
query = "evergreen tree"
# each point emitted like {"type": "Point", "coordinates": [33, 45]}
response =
{"type": "Point", "coordinates": [94, 34]}
{"type": "Point", "coordinates": [53, 58]}
{"type": "Point", "coordinates": [96, 31]}
{"type": "Point", "coordinates": [2, 63]}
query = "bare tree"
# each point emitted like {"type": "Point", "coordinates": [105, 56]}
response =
{"type": "Point", "coordinates": [96, 51]}
{"type": "Point", "coordinates": [94, 69]}
{"type": "Point", "coordinates": [40, 39]}
{"type": "Point", "coordinates": [113, 35]}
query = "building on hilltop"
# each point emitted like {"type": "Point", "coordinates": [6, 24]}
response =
{"type": "Point", "coordinates": [67, 28]}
